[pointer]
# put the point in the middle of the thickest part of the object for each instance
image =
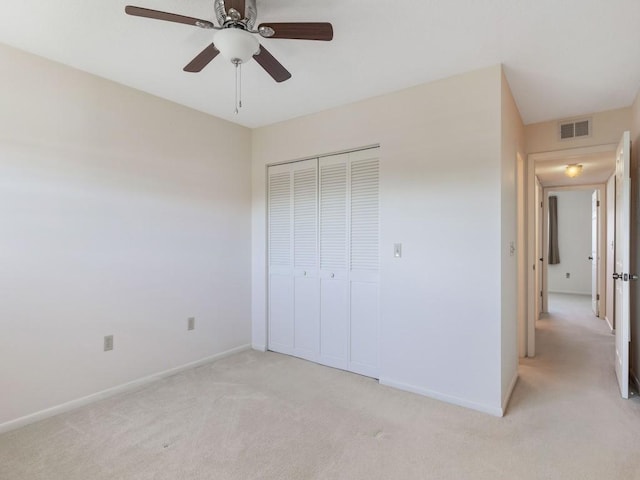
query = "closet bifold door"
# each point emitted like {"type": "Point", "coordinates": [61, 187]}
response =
{"type": "Point", "coordinates": [364, 268]}
{"type": "Point", "coordinates": [306, 281]}
{"type": "Point", "coordinates": [349, 262]}
{"type": "Point", "coordinates": [323, 260]}
{"type": "Point", "coordinates": [280, 259]}
{"type": "Point", "coordinates": [334, 263]}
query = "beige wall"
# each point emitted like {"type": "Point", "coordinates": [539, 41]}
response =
{"type": "Point", "coordinates": [513, 146]}
{"type": "Point", "coordinates": [574, 241]}
{"type": "Point", "coordinates": [608, 128]}
{"type": "Point", "coordinates": [125, 214]}
{"type": "Point", "coordinates": [442, 190]}
{"type": "Point", "coordinates": [120, 214]}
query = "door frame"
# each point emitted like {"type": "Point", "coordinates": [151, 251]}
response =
{"type": "Point", "coordinates": [538, 249]}
{"type": "Point", "coordinates": [532, 228]}
{"type": "Point", "coordinates": [521, 249]}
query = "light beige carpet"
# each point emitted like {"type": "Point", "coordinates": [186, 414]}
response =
{"type": "Point", "coordinates": [268, 416]}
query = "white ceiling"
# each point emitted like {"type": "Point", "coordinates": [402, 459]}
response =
{"type": "Point", "coordinates": [596, 168]}
{"type": "Point", "coordinates": [563, 58]}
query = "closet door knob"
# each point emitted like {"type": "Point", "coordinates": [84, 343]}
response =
{"type": "Point", "coordinates": [333, 275]}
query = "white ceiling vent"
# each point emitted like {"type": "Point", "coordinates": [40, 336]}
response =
{"type": "Point", "coordinates": [575, 129]}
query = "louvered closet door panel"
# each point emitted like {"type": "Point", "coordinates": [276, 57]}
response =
{"type": "Point", "coordinates": [365, 217]}
{"type": "Point", "coordinates": [305, 255]}
{"type": "Point", "coordinates": [333, 214]}
{"type": "Point", "coordinates": [280, 258]}
{"type": "Point", "coordinates": [364, 262]}
{"type": "Point", "coordinates": [334, 261]}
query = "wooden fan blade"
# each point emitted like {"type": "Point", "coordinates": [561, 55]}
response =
{"type": "Point", "coordinates": [300, 31]}
{"type": "Point", "coordinates": [202, 59]}
{"type": "Point", "coordinates": [238, 5]}
{"type": "Point", "coordinates": [169, 17]}
{"type": "Point", "coordinates": [272, 66]}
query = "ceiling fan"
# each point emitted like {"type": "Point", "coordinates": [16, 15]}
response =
{"type": "Point", "coordinates": [236, 39]}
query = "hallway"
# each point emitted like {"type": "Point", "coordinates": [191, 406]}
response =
{"type": "Point", "coordinates": [574, 345]}
{"type": "Point", "coordinates": [571, 383]}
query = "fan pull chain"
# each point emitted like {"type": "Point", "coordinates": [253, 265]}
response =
{"type": "Point", "coordinates": [240, 87]}
{"type": "Point", "coordinates": [238, 103]}
{"type": "Point", "coordinates": [236, 99]}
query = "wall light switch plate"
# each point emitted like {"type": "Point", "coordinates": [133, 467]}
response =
{"type": "Point", "coordinates": [397, 250]}
{"type": "Point", "coordinates": [191, 323]}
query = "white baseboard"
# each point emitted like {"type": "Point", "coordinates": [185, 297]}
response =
{"type": "Point", "coordinates": [110, 392]}
{"type": "Point", "coordinates": [259, 348]}
{"type": "Point", "coordinates": [495, 411]}
{"type": "Point", "coordinates": [507, 397]}
{"type": "Point", "coordinates": [568, 292]}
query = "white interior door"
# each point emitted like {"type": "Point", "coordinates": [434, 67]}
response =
{"type": "Point", "coordinates": [544, 257]}
{"type": "Point", "coordinates": [622, 254]}
{"type": "Point", "coordinates": [611, 248]}
{"type": "Point", "coordinates": [595, 203]}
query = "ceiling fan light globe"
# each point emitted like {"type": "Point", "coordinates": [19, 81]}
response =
{"type": "Point", "coordinates": [236, 45]}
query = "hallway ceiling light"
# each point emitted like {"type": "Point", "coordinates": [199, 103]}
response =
{"type": "Point", "coordinates": [573, 170]}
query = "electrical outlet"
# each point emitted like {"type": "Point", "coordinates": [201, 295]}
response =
{"type": "Point", "coordinates": [568, 275]}
{"type": "Point", "coordinates": [108, 343]}
{"type": "Point", "coordinates": [191, 323]}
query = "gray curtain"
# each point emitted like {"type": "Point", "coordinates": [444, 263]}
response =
{"type": "Point", "coordinates": [554, 251]}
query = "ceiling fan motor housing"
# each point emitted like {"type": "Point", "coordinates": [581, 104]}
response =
{"type": "Point", "coordinates": [239, 13]}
